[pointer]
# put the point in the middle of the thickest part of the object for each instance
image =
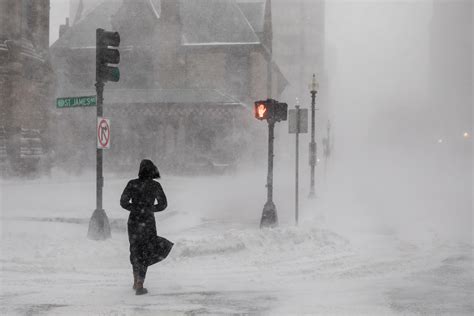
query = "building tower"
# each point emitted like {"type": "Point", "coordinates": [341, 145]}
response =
{"type": "Point", "coordinates": [26, 81]}
{"type": "Point", "coordinates": [299, 37]}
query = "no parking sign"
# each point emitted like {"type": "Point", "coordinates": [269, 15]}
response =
{"type": "Point", "coordinates": [103, 133]}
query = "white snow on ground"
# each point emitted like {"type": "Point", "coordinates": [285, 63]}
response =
{"type": "Point", "coordinates": [222, 262]}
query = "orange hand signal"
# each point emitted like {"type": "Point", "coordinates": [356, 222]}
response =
{"type": "Point", "coordinates": [261, 110]}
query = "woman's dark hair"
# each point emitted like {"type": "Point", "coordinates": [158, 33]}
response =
{"type": "Point", "coordinates": [148, 170]}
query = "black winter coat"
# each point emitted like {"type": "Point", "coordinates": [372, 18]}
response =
{"type": "Point", "coordinates": [138, 197]}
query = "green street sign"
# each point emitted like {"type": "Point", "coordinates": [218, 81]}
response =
{"type": "Point", "coordinates": [72, 102]}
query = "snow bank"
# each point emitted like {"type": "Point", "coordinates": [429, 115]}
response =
{"type": "Point", "coordinates": [262, 242]}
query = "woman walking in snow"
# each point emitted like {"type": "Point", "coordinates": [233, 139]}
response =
{"type": "Point", "coordinates": [138, 197]}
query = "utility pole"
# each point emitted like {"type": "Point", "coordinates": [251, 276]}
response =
{"type": "Point", "coordinates": [312, 145]}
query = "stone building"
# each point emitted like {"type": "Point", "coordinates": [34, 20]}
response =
{"type": "Point", "coordinates": [26, 79]}
{"type": "Point", "coordinates": [190, 72]}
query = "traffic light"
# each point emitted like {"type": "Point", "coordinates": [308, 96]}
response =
{"type": "Point", "coordinates": [106, 55]}
{"type": "Point", "coordinates": [271, 109]}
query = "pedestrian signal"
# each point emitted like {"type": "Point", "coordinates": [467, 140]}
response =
{"type": "Point", "coordinates": [271, 110]}
{"type": "Point", "coordinates": [261, 110]}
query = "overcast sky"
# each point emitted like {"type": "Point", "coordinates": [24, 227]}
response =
{"type": "Point", "coordinates": [59, 12]}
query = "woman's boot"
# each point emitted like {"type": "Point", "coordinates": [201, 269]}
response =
{"type": "Point", "coordinates": [135, 280]}
{"type": "Point", "coordinates": [140, 289]}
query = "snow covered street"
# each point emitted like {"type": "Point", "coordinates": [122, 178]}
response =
{"type": "Point", "coordinates": [219, 265]}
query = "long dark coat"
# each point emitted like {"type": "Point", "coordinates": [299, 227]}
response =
{"type": "Point", "coordinates": [138, 197]}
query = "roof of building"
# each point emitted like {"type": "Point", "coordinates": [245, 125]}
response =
{"type": "Point", "coordinates": [255, 14]}
{"type": "Point", "coordinates": [224, 23]}
{"type": "Point", "coordinates": [204, 22]}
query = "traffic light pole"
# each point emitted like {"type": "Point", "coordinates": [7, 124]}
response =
{"type": "Point", "coordinates": [99, 86]}
{"type": "Point", "coordinates": [99, 162]}
{"type": "Point", "coordinates": [271, 137]}
{"type": "Point", "coordinates": [99, 227]}
{"type": "Point", "coordinates": [269, 214]}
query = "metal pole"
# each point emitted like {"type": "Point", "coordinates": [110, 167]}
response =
{"type": "Point", "coordinates": [271, 128]}
{"type": "Point", "coordinates": [269, 215]}
{"type": "Point", "coordinates": [297, 164]}
{"type": "Point", "coordinates": [99, 227]}
{"type": "Point", "coordinates": [312, 145]}
{"type": "Point", "coordinates": [99, 86]}
{"type": "Point", "coordinates": [99, 171]}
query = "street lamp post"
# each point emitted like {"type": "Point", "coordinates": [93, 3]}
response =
{"type": "Point", "coordinates": [312, 145]}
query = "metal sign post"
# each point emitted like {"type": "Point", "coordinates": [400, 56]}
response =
{"type": "Point", "coordinates": [298, 123]}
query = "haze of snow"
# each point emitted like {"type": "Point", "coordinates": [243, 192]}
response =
{"type": "Point", "coordinates": [390, 231]}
